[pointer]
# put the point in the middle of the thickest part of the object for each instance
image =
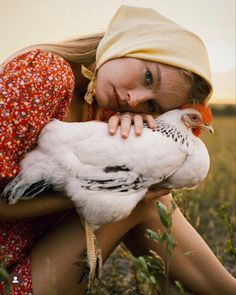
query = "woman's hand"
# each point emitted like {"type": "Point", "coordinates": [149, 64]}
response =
{"type": "Point", "coordinates": [125, 120]}
{"type": "Point", "coordinates": [155, 194]}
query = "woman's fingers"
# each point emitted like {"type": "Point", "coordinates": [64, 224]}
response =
{"type": "Point", "coordinates": [125, 120]}
{"type": "Point", "coordinates": [138, 124]}
{"type": "Point", "coordinates": [113, 124]}
{"type": "Point", "coordinates": [151, 121]}
{"type": "Point", "coordinates": [125, 124]}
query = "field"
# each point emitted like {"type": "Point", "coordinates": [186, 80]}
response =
{"type": "Point", "coordinates": [203, 208]}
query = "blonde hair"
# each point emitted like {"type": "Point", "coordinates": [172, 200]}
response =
{"type": "Point", "coordinates": [79, 50]}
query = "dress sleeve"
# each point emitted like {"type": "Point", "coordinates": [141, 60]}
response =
{"type": "Point", "coordinates": [35, 87]}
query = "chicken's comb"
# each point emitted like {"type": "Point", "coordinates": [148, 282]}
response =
{"type": "Point", "coordinates": [203, 108]}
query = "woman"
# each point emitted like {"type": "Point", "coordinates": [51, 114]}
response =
{"type": "Point", "coordinates": [145, 65]}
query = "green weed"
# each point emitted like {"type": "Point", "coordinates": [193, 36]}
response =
{"type": "Point", "coordinates": [152, 266]}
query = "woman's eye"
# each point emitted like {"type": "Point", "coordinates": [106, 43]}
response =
{"type": "Point", "coordinates": [148, 77]}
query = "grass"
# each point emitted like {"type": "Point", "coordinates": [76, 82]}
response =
{"type": "Point", "coordinates": [211, 209]}
{"type": "Point", "coordinates": [218, 190]}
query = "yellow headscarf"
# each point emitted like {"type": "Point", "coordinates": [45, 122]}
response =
{"type": "Point", "coordinates": [145, 34]}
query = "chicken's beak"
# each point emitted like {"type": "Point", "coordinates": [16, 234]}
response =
{"type": "Point", "coordinates": [207, 127]}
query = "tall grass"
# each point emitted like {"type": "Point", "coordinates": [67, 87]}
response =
{"type": "Point", "coordinates": [218, 190]}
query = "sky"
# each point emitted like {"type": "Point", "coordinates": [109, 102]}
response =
{"type": "Point", "coordinates": [25, 22]}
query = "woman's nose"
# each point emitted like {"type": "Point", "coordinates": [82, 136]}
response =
{"type": "Point", "coordinates": [136, 97]}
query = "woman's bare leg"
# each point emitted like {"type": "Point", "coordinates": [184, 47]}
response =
{"type": "Point", "coordinates": [200, 272]}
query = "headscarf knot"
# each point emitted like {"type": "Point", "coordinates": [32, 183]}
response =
{"type": "Point", "coordinates": [91, 88]}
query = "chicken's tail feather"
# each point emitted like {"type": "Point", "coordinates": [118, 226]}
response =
{"type": "Point", "coordinates": [19, 189]}
{"type": "Point", "coordinates": [35, 189]}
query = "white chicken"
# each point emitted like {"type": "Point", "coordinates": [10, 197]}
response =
{"type": "Point", "coordinates": [106, 176]}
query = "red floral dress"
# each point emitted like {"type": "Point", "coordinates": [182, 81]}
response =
{"type": "Point", "coordinates": [35, 86]}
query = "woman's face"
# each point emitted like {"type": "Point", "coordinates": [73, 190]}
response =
{"type": "Point", "coordinates": [134, 85]}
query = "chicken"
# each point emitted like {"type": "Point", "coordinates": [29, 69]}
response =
{"type": "Point", "coordinates": [106, 176]}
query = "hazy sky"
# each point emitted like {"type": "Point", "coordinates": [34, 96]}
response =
{"type": "Point", "coordinates": [25, 22]}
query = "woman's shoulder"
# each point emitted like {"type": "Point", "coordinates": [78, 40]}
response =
{"type": "Point", "coordinates": [36, 67]}
{"type": "Point", "coordinates": [35, 57]}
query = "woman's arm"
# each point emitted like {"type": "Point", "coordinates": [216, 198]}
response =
{"type": "Point", "coordinates": [45, 203]}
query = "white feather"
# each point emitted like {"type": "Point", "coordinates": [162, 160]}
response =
{"type": "Point", "coordinates": [76, 157]}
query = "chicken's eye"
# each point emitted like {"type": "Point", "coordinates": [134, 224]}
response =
{"type": "Point", "coordinates": [194, 118]}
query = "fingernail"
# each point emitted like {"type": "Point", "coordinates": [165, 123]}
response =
{"type": "Point", "coordinates": [124, 135]}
